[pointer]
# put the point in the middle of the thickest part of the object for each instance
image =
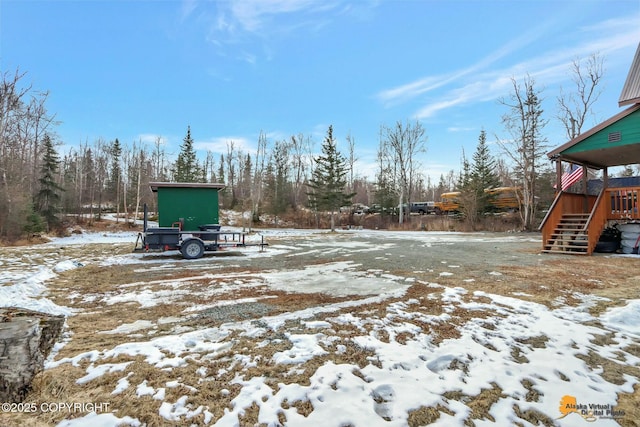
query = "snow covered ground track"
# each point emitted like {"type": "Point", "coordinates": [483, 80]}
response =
{"type": "Point", "coordinates": [356, 328]}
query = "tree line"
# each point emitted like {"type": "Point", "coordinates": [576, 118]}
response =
{"type": "Point", "coordinates": [39, 185]}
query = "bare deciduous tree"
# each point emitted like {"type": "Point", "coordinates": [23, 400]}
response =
{"type": "Point", "coordinates": [24, 121]}
{"type": "Point", "coordinates": [526, 147]}
{"type": "Point", "coordinates": [351, 160]}
{"type": "Point", "coordinates": [574, 107]}
{"type": "Point", "coordinates": [258, 176]}
{"type": "Point", "coordinates": [302, 159]}
{"type": "Point", "coordinates": [400, 147]}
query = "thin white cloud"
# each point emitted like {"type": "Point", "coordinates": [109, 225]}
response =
{"type": "Point", "coordinates": [426, 84]}
{"type": "Point", "coordinates": [460, 129]}
{"type": "Point", "coordinates": [548, 68]}
{"type": "Point", "coordinates": [241, 22]}
{"type": "Point", "coordinates": [186, 9]}
{"type": "Point", "coordinates": [252, 14]}
{"type": "Point", "coordinates": [411, 90]}
{"type": "Point", "coordinates": [220, 144]}
{"type": "Point", "coordinates": [151, 138]}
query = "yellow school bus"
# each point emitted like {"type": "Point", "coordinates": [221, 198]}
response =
{"type": "Point", "coordinates": [448, 203]}
{"type": "Point", "coordinates": [505, 198]}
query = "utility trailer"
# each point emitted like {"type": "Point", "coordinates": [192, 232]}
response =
{"type": "Point", "coordinates": [191, 244]}
{"type": "Point", "coordinates": [183, 208]}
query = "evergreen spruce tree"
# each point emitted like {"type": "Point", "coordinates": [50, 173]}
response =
{"type": "Point", "coordinates": [442, 186]}
{"type": "Point", "coordinates": [475, 178]}
{"type": "Point", "coordinates": [186, 167]}
{"type": "Point", "coordinates": [385, 195]}
{"type": "Point", "coordinates": [483, 173]}
{"type": "Point", "coordinates": [48, 197]}
{"type": "Point", "coordinates": [34, 223]}
{"type": "Point", "coordinates": [468, 198]}
{"type": "Point", "coordinates": [329, 179]}
{"type": "Point", "coordinates": [277, 185]}
{"type": "Point", "coordinates": [270, 192]}
{"type": "Point", "coordinates": [115, 176]}
{"type": "Point", "coordinates": [280, 159]}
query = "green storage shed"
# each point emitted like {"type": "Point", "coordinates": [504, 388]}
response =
{"type": "Point", "coordinates": [193, 204]}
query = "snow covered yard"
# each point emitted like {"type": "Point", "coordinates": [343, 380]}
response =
{"type": "Point", "coordinates": [353, 328]}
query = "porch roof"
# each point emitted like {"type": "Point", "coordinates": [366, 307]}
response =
{"type": "Point", "coordinates": [614, 142]}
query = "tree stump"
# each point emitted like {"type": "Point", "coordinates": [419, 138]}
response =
{"type": "Point", "coordinates": [26, 339]}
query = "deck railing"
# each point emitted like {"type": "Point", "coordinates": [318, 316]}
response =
{"type": "Point", "coordinates": [623, 203]}
{"type": "Point", "coordinates": [610, 205]}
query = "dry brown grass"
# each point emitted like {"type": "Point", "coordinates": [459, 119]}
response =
{"type": "Point", "coordinates": [534, 417]}
{"type": "Point", "coordinates": [616, 280]}
{"type": "Point", "coordinates": [479, 404]}
{"type": "Point", "coordinates": [303, 407]}
{"type": "Point", "coordinates": [612, 371]}
{"type": "Point", "coordinates": [629, 403]}
{"type": "Point", "coordinates": [426, 415]}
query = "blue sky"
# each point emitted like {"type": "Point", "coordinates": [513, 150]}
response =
{"type": "Point", "coordinates": [136, 70]}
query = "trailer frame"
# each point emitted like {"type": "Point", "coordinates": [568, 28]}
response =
{"type": "Point", "coordinates": [191, 244]}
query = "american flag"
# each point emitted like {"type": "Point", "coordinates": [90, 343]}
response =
{"type": "Point", "coordinates": [573, 175]}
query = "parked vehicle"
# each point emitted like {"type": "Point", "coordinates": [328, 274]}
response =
{"type": "Point", "coordinates": [360, 209]}
{"type": "Point", "coordinates": [505, 198]}
{"type": "Point", "coordinates": [377, 208]}
{"type": "Point", "coordinates": [423, 208]}
{"type": "Point", "coordinates": [356, 209]}
{"type": "Point", "coordinates": [448, 203]}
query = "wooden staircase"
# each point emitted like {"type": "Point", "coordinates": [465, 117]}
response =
{"type": "Point", "coordinates": [570, 235]}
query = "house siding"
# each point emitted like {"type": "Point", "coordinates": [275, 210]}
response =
{"type": "Point", "coordinates": [628, 127]}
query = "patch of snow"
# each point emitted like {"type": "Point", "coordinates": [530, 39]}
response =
{"type": "Point", "coordinates": [305, 347]}
{"type": "Point", "coordinates": [130, 327]}
{"type": "Point", "coordinates": [100, 420]}
{"type": "Point", "coordinates": [123, 384]}
{"type": "Point", "coordinates": [94, 372]}
{"type": "Point", "coordinates": [401, 377]}
{"type": "Point", "coordinates": [94, 237]}
{"type": "Point", "coordinates": [27, 292]}
{"type": "Point", "coordinates": [625, 319]}
{"type": "Point", "coordinates": [144, 390]}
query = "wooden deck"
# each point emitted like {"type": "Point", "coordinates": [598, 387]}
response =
{"type": "Point", "coordinates": [575, 222]}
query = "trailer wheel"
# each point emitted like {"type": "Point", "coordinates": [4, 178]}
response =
{"type": "Point", "coordinates": [192, 249]}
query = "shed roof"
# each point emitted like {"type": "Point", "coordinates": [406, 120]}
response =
{"type": "Point", "coordinates": [631, 89]}
{"type": "Point", "coordinates": [155, 185]}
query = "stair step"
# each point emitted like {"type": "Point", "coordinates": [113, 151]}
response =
{"type": "Point", "coordinates": [568, 233]}
{"type": "Point", "coordinates": [549, 251]}
{"type": "Point", "coordinates": [572, 246]}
